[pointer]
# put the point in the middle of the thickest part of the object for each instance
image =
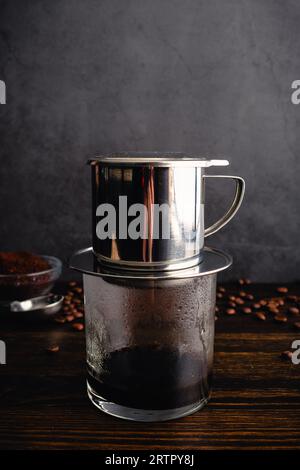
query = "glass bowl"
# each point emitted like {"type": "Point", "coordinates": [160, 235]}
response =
{"type": "Point", "coordinates": [26, 286]}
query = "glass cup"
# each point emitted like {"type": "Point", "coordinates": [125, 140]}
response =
{"type": "Point", "coordinates": [149, 345]}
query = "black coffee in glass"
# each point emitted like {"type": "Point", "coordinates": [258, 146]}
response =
{"type": "Point", "coordinates": [151, 378]}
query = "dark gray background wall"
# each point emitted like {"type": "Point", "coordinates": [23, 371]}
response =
{"type": "Point", "coordinates": [211, 77]}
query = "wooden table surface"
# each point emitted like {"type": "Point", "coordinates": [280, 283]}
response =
{"type": "Point", "coordinates": [255, 402]}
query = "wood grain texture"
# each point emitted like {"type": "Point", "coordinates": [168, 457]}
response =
{"type": "Point", "coordinates": [255, 402]}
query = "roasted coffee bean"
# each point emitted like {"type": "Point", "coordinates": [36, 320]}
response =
{"type": "Point", "coordinates": [247, 281]}
{"type": "Point", "coordinates": [222, 289]}
{"type": "Point", "coordinates": [239, 301]}
{"type": "Point", "coordinates": [67, 301]}
{"type": "Point", "coordinates": [232, 297]}
{"type": "Point", "coordinates": [272, 303]}
{"type": "Point", "coordinates": [260, 316]}
{"type": "Point", "coordinates": [66, 309]}
{"type": "Point", "coordinates": [78, 314]}
{"type": "Point", "coordinates": [78, 326]}
{"type": "Point", "coordinates": [263, 302]}
{"type": "Point", "coordinates": [282, 290]}
{"type": "Point", "coordinates": [77, 301]}
{"type": "Point", "coordinates": [297, 325]}
{"type": "Point", "coordinates": [232, 304]}
{"type": "Point", "coordinates": [70, 318]}
{"type": "Point", "coordinates": [287, 355]}
{"type": "Point", "coordinates": [217, 308]}
{"type": "Point", "coordinates": [60, 320]}
{"type": "Point", "coordinates": [294, 310]}
{"type": "Point", "coordinates": [53, 349]}
{"type": "Point", "coordinates": [280, 318]}
{"type": "Point", "coordinates": [293, 298]}
{"type": "Point", "coordinates": [247, 310]}
{"type": "Point", "coordinates": [72, 284]}
{"type": "Point", "coordinates": [78, 290]}
{"type": "Point", "coordinates": [249, 297]}
{"type": "Point", "coordinates": [242, 294]}
{"type": "Point", "coordinates": [257, 305]}
{"type": "Point", "coordinates": [274, 310]}
{"type": "Point", "coordinates": [73, 311]}
{"type": "Point", "coordinates": [241, 282]}
{"type": "Point", "coordinates": [281, 302]}
{"type": "Point", "coordinates": [230, 311]}
{"type": "Point", "coordinates": [216, 318]}
{"type": "Point", "coordinates": [219, 295]}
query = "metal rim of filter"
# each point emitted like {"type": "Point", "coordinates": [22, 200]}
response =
{"type": "Point", "coordinates": [213, 261]}
{"type": "Point", "coordinates": [161, 159]}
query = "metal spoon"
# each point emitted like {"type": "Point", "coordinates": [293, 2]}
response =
{"type": "Point", "coordinates": [39, 306]}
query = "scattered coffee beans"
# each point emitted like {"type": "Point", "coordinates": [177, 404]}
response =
{"type": "Point", "coordinates": [230, 311]}
{"type": "Point", "coordinates": [244, 281]}
{"type": "Point", "coordinates": [247, 310]}
{"type": "Point", "coordinates": [60, 319]}
{"type": "Point", "coordinates": [287, 355]}
{"type": "Point", "coordinates": [78, 314]}
{"type": "Point", "coordinates": [233, 301]}
{"type": "Point", "coordinates": [70, 318]}
{"type": "Point", "coordinates": [260, 316]}
{"type": "Point", "coordinates": [53, 349]}
{"type": "Point", "coordinates": [294, 310]}
{"type": "Point", "coordinates": [282, 290]}
{"type": "Point", "coordinates": [274, 310]}
{"type": "Point", "coordinates": [280, 318]}
{"type": "Point", "coordinates": [72, 306]}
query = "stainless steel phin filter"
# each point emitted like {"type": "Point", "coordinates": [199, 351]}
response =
{"type": "Point", "coordinates": [148, 209]}
{"type": "Point", "coordinates": [150, 285]}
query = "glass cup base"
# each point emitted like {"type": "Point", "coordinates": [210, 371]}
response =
{"type": "Point", "coordinates": [136, 414]}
